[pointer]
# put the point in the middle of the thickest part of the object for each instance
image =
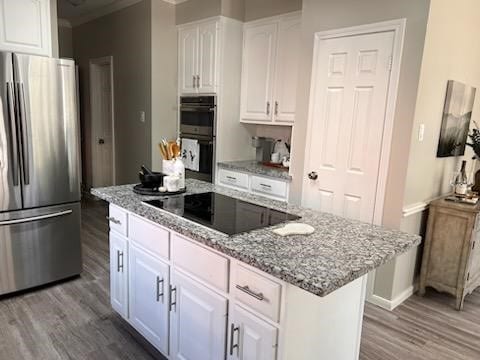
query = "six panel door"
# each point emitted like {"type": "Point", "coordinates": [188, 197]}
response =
{"type": "Point", "coordinates": [25, 26]}
{"type": "Point", "coordinates": [148, 294]}
{"type": "Point", "coordinates": [118, 274]}
{"type": "Point", "coordinates": [187, 59]}
{"type": "Point", "coordinates": [257, 74]}
{"type": "Point", "coordinates": [198, 320]}
{"type": "Point", "coordinates": [250, 337]}
{"type": "Point", "coordinates": [207, 58]}
{"type": "Point", "coordinates": [348, 103]}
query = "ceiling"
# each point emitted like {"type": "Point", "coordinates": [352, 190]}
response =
{"type": "Point", "coordinates": [68, 11]}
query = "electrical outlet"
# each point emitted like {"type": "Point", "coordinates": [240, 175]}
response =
{"type": "Point", "coordinates": [142, 116]}
{"type": "Point", "coordinates": [421, 132]}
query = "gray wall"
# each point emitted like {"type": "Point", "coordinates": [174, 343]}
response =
{"type": "Point", "coordinates": [126, 36]}
{"type": "Point", "coordinates": [65, 42]}
{"type": "Point", "coordinates": [193, 10]}
{"type": "Point", "coordinates": [164, 76]}
{"type": "Point", "coordinates": [257, 9]}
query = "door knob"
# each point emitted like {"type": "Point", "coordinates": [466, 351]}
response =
{"type": "Point", "coordinates": [313, 175]}
{"type": "Point", "coordinates": [101, 141]}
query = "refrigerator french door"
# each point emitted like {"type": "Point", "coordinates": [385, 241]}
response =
{"type": "Point", "coordinates": [39, 172]}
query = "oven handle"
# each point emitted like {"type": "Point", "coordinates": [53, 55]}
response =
{"type": "Point", "coordinates": [35, 218]}
{"type": "Point", "coordinates": [197, 109]}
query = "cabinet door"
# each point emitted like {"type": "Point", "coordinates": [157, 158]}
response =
{"type": "Point", "coordinates": [149, 281]}
{"type": "Point", "coordinates": [25, 26]}
{"type": "Point", "coordinates": [198, 321]}
{"type": "Point", "coordinates": [187, 59]}
{"type": "Point", "coordinates": [257, 74]}
{"type": "Point", "coordinates": [286, 70]}
{"type": "Point", "coordinates": [474, 267]}
{"type": "Point", "coordinates": [119, 274]}
{"type": "Point", "coordinates": [207, 58]}
{"type": "Point", "coordinates": [250, 337]}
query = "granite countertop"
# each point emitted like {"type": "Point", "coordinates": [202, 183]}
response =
{"type": "Point", "coordinates": [339, 251]}
{"type": "Point", "coordinates": [254, 167]}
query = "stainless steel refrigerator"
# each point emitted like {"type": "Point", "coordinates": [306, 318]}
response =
{"type": "Point", "coordinates": [39, 172]}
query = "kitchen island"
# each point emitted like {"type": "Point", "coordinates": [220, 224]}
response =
{"type": "Point", "coordinates": [294, 297]}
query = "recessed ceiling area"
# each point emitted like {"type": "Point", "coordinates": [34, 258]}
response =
{"type": "Point", "coordinates": [67, 10]}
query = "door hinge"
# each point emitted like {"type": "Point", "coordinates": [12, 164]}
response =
{"type": "Point", "coordinates": [390, 63]}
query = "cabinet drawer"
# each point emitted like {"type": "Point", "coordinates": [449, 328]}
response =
{"type": "Point", "coordinates": [256, 291]}
{"type": "Point", "coordinates": [271, 187]}
{"type": "Point", "coordinates": [233, 178]}
{"type": "Point", "coordinates": [150, 236]}
{"type": "Point", "coordinates": [200, 262]}
{"type": "Point", "coordinates": [117, 219]}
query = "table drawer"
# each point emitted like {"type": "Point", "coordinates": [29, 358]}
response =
{"type": "Point", "coordinates": [150, 236]}
{"type": "Point", "coordinates": [271, 187]}
{"type": "Point", "coordinates": [232, 178]}
{"type": "Point", "coordinates": [117, 219]}
{"type": "Point", "coordinates": [256, 291]}
{"type": "Point", "coordinates": [200, 262]}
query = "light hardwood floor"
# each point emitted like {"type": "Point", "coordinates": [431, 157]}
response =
{"type": "Point", "coordinates": [73, 319]}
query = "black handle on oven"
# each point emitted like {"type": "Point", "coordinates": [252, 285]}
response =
{"type": "Point", "coordinates": [197, 108]}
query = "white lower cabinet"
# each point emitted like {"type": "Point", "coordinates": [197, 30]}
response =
{"type": "Point", "coordinates": [250, 337]}
{"type": "Point", "coordinates": [119, 274]}
{"type": "Point", "coordinates": [148, 297]}
{"type": "Point", "coordinates": [198, 320]}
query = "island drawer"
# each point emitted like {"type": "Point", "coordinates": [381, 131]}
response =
{"type": "Point", "coordinates": [200, 262]}
{"type": "Point", "coordinates": [233, 178]}
{"type": "Point", "coordinates": [150, 236]}
{"type": "Point", "coordinates": [117, 219]}
{"type": "Point", "coordinates": [257, 291]}
{"type": "Point", "coordinates": [270, 187]}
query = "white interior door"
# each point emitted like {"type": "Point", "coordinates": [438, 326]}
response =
{"type": "Point", "coordinates": [348, 103]}
{"type": "Point", "coordinates": [101, 101]}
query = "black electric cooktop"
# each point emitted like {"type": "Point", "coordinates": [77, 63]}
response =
{"type": "Point", "coordinates": [222, 213]}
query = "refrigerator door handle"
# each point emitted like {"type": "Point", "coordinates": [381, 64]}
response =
{"type": "Point", "coordinates": [23, 124]}
{"type": "Point", "coordinates": [13, 132]}
{"type": "Point", "coordinates": [35, 218]}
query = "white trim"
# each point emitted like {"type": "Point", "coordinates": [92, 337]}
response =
{"type": "Point", "coordinates": [261, 21]}
{"type": "Point", "coordinates": [103, 61]}
{"type": "Point", "coordinates": [398, 27]}
{"type": "Point", "coordinates": [63, 23]}
{"type": "Point", "coordinates": [413, 209]}
{"type": "Point", "coordinates": [392, 304]}
{"type": "Point", "coordinates": [175, 2]}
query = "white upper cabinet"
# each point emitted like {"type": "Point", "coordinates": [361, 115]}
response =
{"type": "Point", "coordinates": [25, 26]}
{"type": "Point", "coordinates": [270, 70]}
{"type": "Point", "coordinates": [258, 71]}
{"type": "Point", "coordinates": [199, 321]}
{"type": "Point", "coordinates": [197, 58]}
{"type": "Point", "coordinates": [148, 289]}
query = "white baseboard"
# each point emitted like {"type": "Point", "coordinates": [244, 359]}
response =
{"type": "Point", "coordinates": [391, 304]}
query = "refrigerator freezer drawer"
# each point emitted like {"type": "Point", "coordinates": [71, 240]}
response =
{"type": "Point", "coordinates": [39, 246]}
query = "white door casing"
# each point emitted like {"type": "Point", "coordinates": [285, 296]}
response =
{"type": "Point", "coordinates": [102, 122]}
{"type": "Point", "coordinates": [260, 44]}
{"type": "Point", "coordinates": [198, 321]}
{"type": "Point", "coordinates": [352, 101]}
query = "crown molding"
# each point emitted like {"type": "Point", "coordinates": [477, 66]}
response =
{"type": "Point", "coordinates": [64, 23]}
{"type": "Point", "coordinates": [175, 2]}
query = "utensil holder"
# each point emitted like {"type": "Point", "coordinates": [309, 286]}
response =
{"type": "Point", "coordinates": [168, 167]}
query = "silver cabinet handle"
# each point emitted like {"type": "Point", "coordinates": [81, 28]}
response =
{"type": "Point", "coordinates": [268, 107]}
{"type": "Point", "coordinates": [198, 81]}
{"type": "Point", "coordinates": [232, 335]}
{"type": "Point", "coordinates": [266, 186]}
{"type": "Point", "coordinates": [172, 303]}
{"type": "Point", "coordinates": [276, 108]}
{"type": "Point", "coordinates": [35, 218]}
{"type": "Point", "coordinates": [246, 290]}
{"type": "Point", "coordinates": [194, 81]}
{"type": "Point", "coordinates": [231, 178]}
{"type": "Point", "coordinates": [13, 133]}
{"type": "Point", "coordinates": [160, 293]}
{"type": "Point", "coordinates": [113, 220]}
{"type": "Point", "coordinates": [119, 261]}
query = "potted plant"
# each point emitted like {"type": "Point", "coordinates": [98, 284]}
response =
{"type": "Point", "coordinates": [475, 145]}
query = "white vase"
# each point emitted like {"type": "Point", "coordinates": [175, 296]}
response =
{"type": "Point", "coordinates": [168, 167]}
